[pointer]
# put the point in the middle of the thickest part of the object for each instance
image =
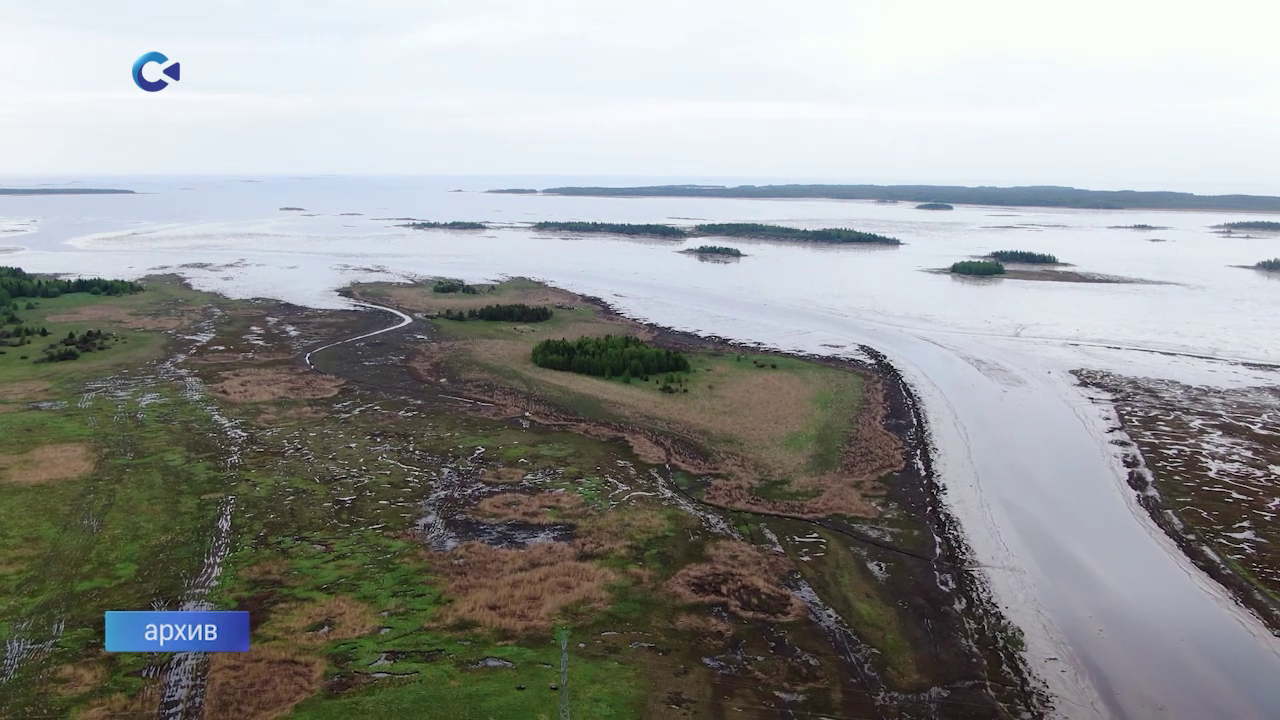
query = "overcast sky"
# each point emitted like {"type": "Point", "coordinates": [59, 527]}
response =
{"type": "Point", "coordinates": [1102, 94]}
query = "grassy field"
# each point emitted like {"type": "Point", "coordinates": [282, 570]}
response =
{"type": "Point", "coordinates": [785, 421]}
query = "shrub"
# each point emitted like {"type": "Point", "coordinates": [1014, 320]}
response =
{"type": "Point", "coordinates": [453, 286]}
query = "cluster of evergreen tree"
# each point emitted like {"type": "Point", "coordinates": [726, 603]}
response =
{"type": "Point", "coordinates": [715, 250]}
{"type": "Point", "coordinates": [456, 225]}
{"type": "Point", "coordinates": [1264, 225]}
{"type": "Point", "coordinates": [1023, 256]}
{"type": "Point", "coordinates": [609, 356]}
{"type": "Point", "coordinates": [453, 286]}
{"type": "Point", "coordinates": [73, 345]}
{"type": "Point", "coordinates": [518, 312]}
{"type": "Point", "coordinates": [1272, 264]}
{"type": "Point", "coordinates": [977, 267]}
{"type": "Point", "coordinates": [779, 232]}
{"type": "Point", "coordinates": [654, 230]}
{"type": "Point", "coordinates": [22, 334]}
{"type": "Point", "coordinates": [15, 283]}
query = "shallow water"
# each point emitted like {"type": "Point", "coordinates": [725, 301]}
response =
{"type": "Point", "coordinates": [1118, 623]}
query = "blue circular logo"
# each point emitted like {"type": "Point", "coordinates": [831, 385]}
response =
{"type": "Point", "coordinates": [173, 71]}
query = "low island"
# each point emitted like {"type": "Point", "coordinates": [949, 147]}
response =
{"type": "Point", "coordinates": [455, 225]}
{"type": "Point", "coordinates": [977, 267]}
{"type": "Point", "coordinates": [1255, 225]}
{"type": "Point", "coordinates": [719, 250]}
{"type": "Point", "coordinates": [934, 206]}
{"type": "Point", "coordinates": [633, 229]}
{"type": "Point", "coordinates": [1024, 257]}
{"type": "Point", "coordinates": [513, 191]}
{"type": "Point", "coordinates": [755, 231]}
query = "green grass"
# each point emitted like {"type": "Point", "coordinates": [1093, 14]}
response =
{"type": "Point", "coordinates": [163, 296]}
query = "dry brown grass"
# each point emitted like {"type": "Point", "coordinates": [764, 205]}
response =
{"type": "Point", "coordinates": [288, 416]}
{"type": "Point", "coordinates": [707, 627]}
{"type": "Point", "coordinates": [273, 570]}
{"type": "Point", "coordinates": [315, 623]}
{"type": "Point", "coordinates": [261, 684]}
{"type": "Point", "coordinates": [24, 391]}
{"type": "Point", "coordinates": [519, 591]}
{"type": "Point", "coordinates": [63, 461]}
{"type": "Point", "coordinates": [122, 316]}
{"type": "Point", "coordinates": [504, 475]}
{"type": "Point", "coordinates": [743, 579]}
{"type": "Point", "coordinates": [143, 704]}
{"type": "Point", "coordinates": [544, 508]}
{"type": "Point", "coordinates": [79, 678]}
{"type": "Point", "coordinates": [252, 385]}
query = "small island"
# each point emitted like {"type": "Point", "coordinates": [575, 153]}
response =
{"type": "Point", "coordinates": [1272, 265]}
{"type": "Point", "coordinates": [290, 208]}
{"type": "Point", "coordinates": [513, 191]}
{"type": "Point", "coordinates": [934, 206]}
{"type": "Point", "coordinates": [779, 232]}
{"type": "Point", "coordinates": [1025, 257]}
{"type": "Point", "coordinates": [644, 230]}
{"type": "Point", "coordinates": [1138, 227]}
{"type": "Point", "coordinates": [1259, 225]}
{"type": "Point", "coordinates": [977, 267]}
{"type": "Point", "coordinates": [456, 225]}
{"type": "Point", "coordinates": [719, 250]}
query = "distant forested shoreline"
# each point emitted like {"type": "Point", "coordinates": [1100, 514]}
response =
{"type": "Point", "coordinates": [1021, 196]}
{"type": "Point", "coordinates": [65, 191]}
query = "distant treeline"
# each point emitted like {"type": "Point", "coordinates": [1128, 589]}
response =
{"type": "Point", "coordinates": [1025, 196]}
{"type": "Point", "coordinates": [15, 283]}
{"type": "Point", "coordinates": [1265, 225]}
{"type": "Point", "coordinates": [654, 230]}
{"type": "Point", "coordinates": [456, 225]}
{"type": "Point", "coordinates": [715, 250]}
{"type": "Point", "coordinates": [779, 232]}
{"type": "Point", "coordinates": [503, 313]}
{"type": "Point", "coordinates": [934, 206]}
{"type": "Point", "coordinates": [977, 267]}
{"type": "Point", "coordinates": [453, 286]}
{"type": "Point", "coordinates": [63, 191]}
{"type": "Point", "coordinates": [610, 356]}
{"type": "Point", "coordinates": [1272, 264]}
{"type": "Point", "coordinates": [1023, 256]}
{"type": "Point", "coordinates": [515, 191]}
{"type": "Point", "coordinates": [743, 230]}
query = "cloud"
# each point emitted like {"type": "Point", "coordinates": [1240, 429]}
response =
{"type": "Point", "coordinates": [1100, 92]}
